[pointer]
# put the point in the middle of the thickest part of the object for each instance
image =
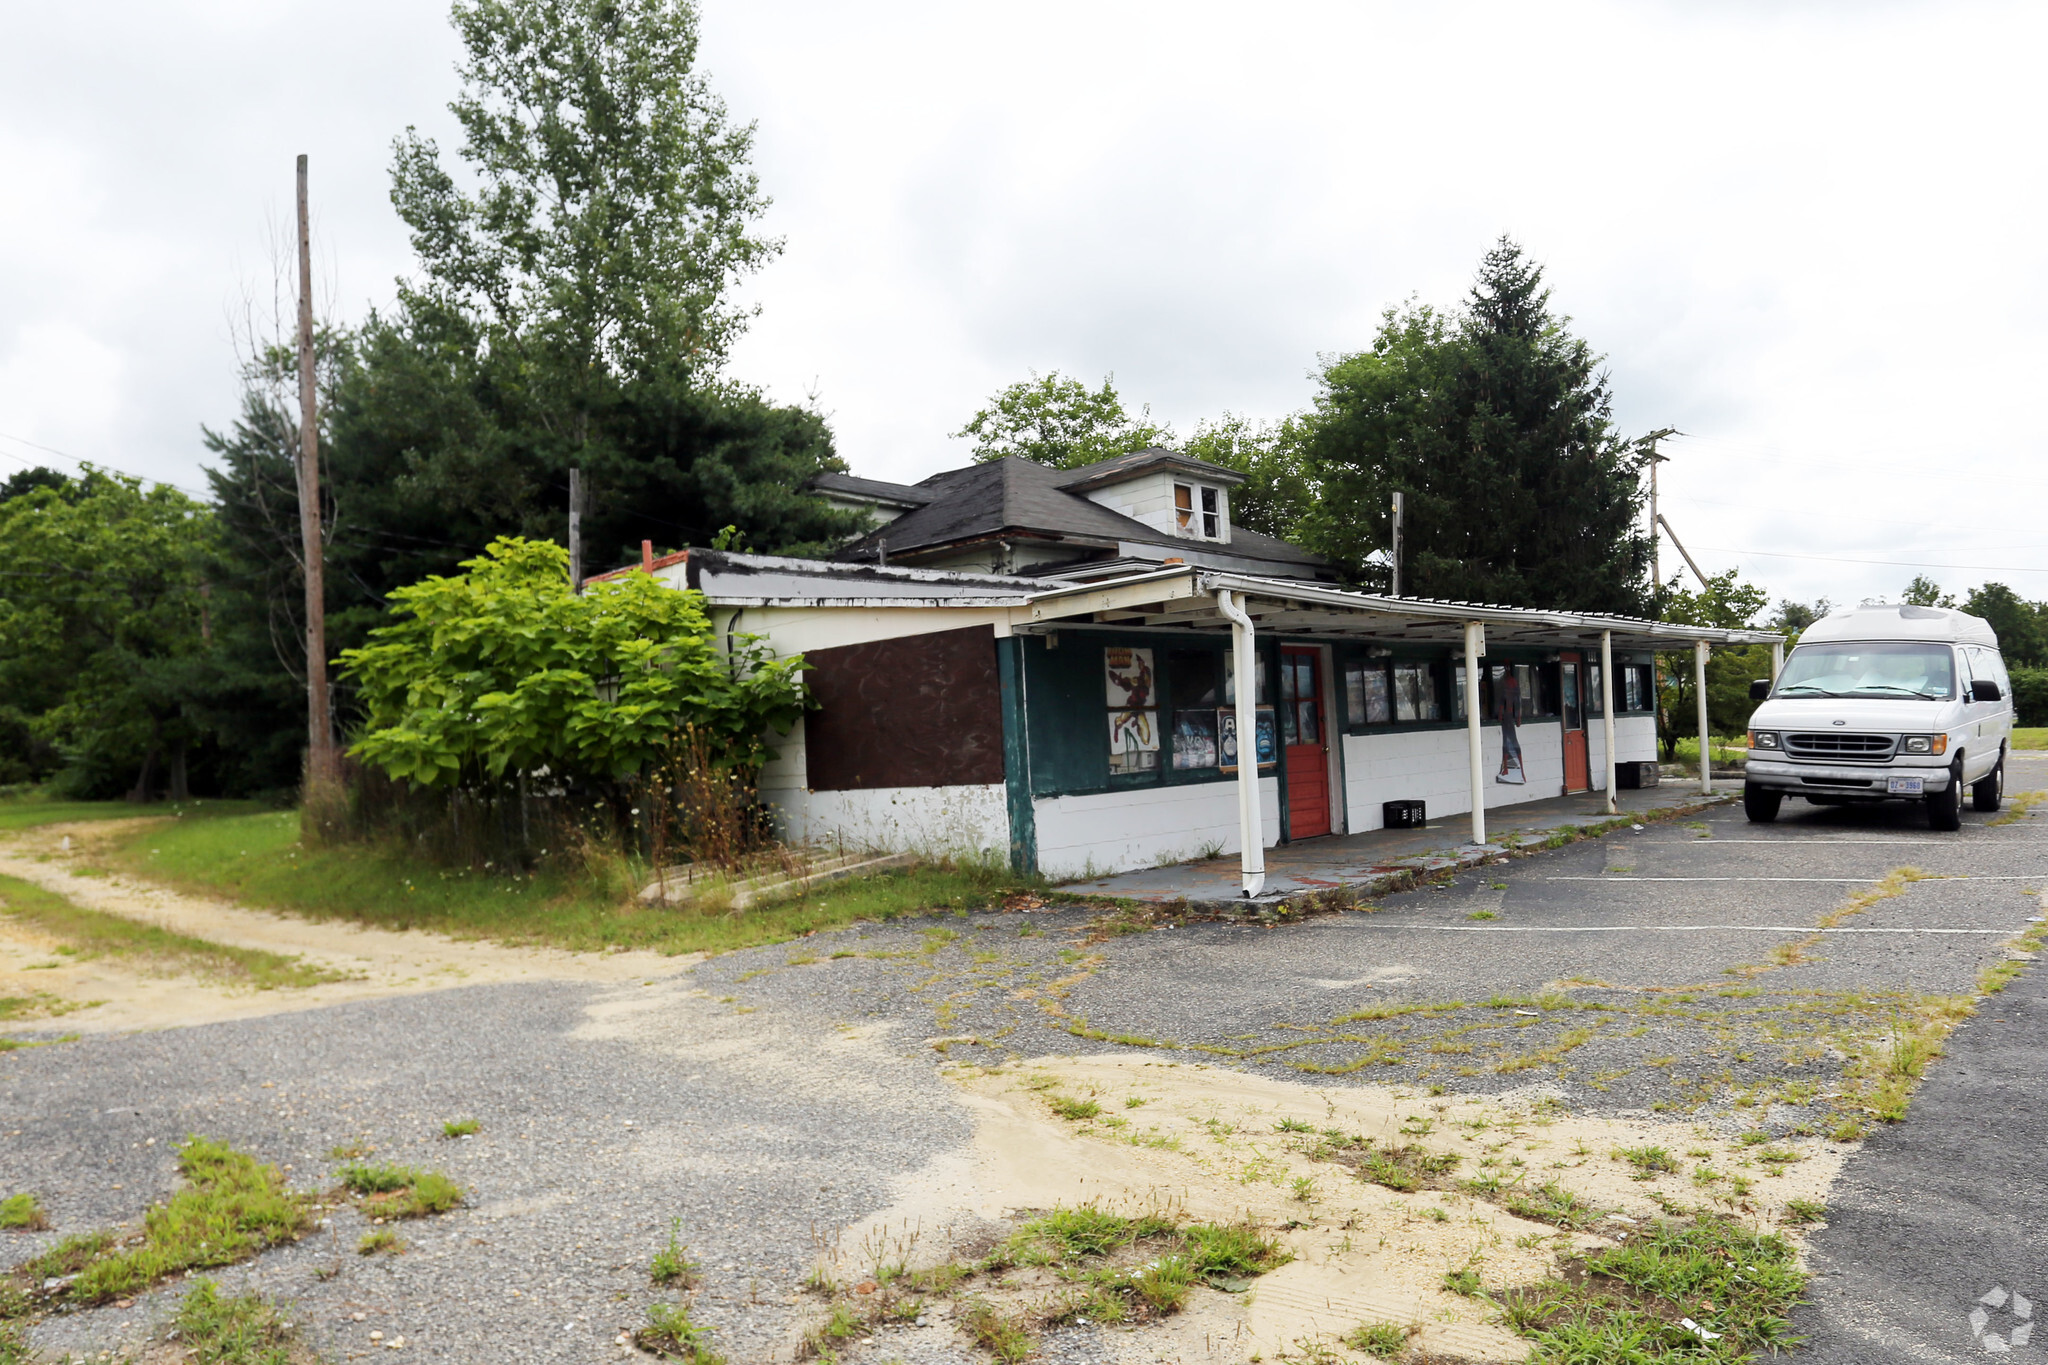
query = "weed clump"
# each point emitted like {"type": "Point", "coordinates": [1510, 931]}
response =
{"type": "Point", "coordinates": [380, 1241]}
{"type": "Point", "coordinates": [232, 1207]}
{"type": "Point", "coordinates": [23, 1213]}
{"type": "Point", "coordinates": [670, 1334]}
{"type": "Point", "coordinates": [1710, 1289]}
{"type": "Point", "coordinates": [672, 1264]}
{"type": "Point", "coordinates": [389, 1191]}
{"type": "Point", "coordinates": [1381, 1339]}
{"type": "Point", "coordinates": [460, 1128]}
{"type": "Point", "coordinates": [229, 1329]}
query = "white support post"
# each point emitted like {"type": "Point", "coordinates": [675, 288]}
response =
{"type": "Point", "coordinates": [1607, 712]}
{"type": "Point", "coordinates": [1475, 650]}
{"type": "Point", "coordinates": [1699, 687]}
{"type": "Point", "coordinates": [1777, 657]}
{"type": "Point", "coordinates": [1251, 831]}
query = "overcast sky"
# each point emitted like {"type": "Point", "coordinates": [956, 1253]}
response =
{"type": "Point", "coordinates": [1807, 235]}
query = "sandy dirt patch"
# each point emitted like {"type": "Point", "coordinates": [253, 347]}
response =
{"type": "Point", "coordinates": [107, 995]}
{"type": "Point", "coordinates": [1208, 1143]}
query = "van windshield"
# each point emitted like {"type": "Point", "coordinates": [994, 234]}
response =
{"type": "Point", "coordinates": [1896, 668]}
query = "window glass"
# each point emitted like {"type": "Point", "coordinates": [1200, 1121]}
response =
{"type": "Point", "coordinates": [1526, 684]}
{"type": "Point", "coordinates": [1415, 694]}
{"type": "Point", "coordinates": [1906, 669]}
{"type": "Point", "coordinates": [1595, 704]}
{"type": "Point", "coordinates": [1230, 680]}
{"type": "Point", "coordinates": [1211, 523]}
{"type": "Point", "coordinates": [1568, 672]}
{"type": "Point", "coordinates": [1195, 682]}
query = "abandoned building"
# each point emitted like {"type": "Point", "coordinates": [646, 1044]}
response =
{"type": "Point", "coordinates": [1061, 664]}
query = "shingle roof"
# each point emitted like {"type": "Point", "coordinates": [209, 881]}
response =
{"type": "Point", "coordinates": [1137, 462]}
{"type": "Point", "coordinates": [902, 493]}
{"type": "Point", "coordinates": [1015, 495]}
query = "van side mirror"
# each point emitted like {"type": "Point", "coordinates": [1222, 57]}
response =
{"type": "Point", "coordinates": [1760, 689]}
{"type": "Point", "coordinates": [1983, 689]}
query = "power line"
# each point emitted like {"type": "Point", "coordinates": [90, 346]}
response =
{"type": "Point", "coordinates": [1889, 563]}
{"type": "Point", "coordinates": [63, 455]}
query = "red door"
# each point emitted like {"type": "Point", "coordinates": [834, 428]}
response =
{"type": "Point", "coordinates": [1303, 732]}
{"type": "Point", "coordinates": [1576, 769]}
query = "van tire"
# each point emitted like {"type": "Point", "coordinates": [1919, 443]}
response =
{"type": "Point", "coordinates": [1945, 807]}
{"type": "Point", "coordinates": [1989, 792]}
{"type": "Point", "coordinates": [1759, 805]}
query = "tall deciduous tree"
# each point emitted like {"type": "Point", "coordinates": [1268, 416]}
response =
{"type": "Point", "coordinates": [1731, 604]}
{"type": "Point", "coordinates": [1059, 421]}
{"type": "Point", "coordinates": [1495, 423]}
{"type": "Point", "coordinates": [102, 634]}
{"type": "Point", "coordinates": [2021, 636]}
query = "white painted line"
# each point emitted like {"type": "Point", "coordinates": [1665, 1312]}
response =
{"type": "Point", "coordinates": [1807, 843]}
{"type": "Point", "coordinates": [1856, 881]}
{"type": "Point", "coordinates": [1656, 928]}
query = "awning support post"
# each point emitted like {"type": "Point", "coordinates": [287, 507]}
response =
{"type": "Point", "coordinates": [1245, 674]}
{"type": "Point", "coordinates": [1699, 687]}
{"type": "Point", "coordinates": [1475, 650]}
{"type": "Point", "coordinates": [1777, 658]}
{"type": "Point", "coordinates": [1607, 712]}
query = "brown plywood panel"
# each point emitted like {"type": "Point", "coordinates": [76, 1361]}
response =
{"type": "Point", "coordinates": [919, 711]}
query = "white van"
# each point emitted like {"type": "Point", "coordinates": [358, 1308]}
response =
{"type": "Point", "coordinates": [1884, 703]}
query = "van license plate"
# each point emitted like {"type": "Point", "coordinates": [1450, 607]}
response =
{"type": "Point", "coordinates": [1906, 786]}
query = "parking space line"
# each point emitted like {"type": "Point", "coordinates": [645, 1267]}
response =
{"type": "Point", "coordinates": [1658, 928]}
{"type": "Point", "coordinates": [1855, 881]}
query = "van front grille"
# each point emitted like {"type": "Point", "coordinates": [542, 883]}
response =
{"type": "Point", "coordinates": [1844, 748]}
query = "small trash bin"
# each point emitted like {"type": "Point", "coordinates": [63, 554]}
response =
{"type": "Point", "coordinates": [1403, 814]}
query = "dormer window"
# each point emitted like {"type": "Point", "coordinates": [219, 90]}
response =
{"type": "Point", "coordinates": [1210, 525]}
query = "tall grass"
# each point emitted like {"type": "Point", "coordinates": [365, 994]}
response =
{"type": "Point", "coordinates": [259, 860]}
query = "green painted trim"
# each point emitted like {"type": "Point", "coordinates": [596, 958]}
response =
{"type": "Point", "coordinates": [1017, 758]}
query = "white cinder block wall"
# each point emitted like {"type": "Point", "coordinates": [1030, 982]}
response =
{"type": "Point", "coordinates": [1118, 831]}
{"type": "Point", "coordinates": [927, 820]}
{"type": "Point", "coordinates": [1430, 765]}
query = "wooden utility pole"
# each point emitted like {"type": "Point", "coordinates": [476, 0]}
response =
{"type": "Point", "coordinates": [1656, 547]}
{"type": "Point", "coordinates": [323, 766]}
{"type": "Point", "coordinates": [1396, 538]}
{"type": "Point", "coordinates": [575, 530]}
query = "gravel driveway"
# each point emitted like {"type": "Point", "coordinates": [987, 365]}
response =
{"type": "Point", "coordinates": [768, 1097]}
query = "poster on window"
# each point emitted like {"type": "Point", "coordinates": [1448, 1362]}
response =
{"type": "Point", "coordinates": [1266, 737]}
{"type": "Point", "coordinates": [1132, 692]}
{"type": "Point", "coordinates": [1508, 711]}
{"type": "Point", "coordinates": [1194, 739]}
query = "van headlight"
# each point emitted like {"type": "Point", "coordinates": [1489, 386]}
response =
{"type": "Point", "coordinates": [1925, 744]}
{"type": "Point", "coordinates": [1763, 739]}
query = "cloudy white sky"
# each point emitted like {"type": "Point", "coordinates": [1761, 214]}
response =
{"type": "Point", "coordinates": [1809, 235]}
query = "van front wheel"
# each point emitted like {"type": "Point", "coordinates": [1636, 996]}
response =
{"type": "Point", "coordinates": [1945, 807]}
{"type": "Point", "coordinates": [1989, 792]}
{"type": "Point", "coordinates": [1759, 805]}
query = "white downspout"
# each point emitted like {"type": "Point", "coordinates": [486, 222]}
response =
{"type": "Point", "coordinates": [1251, 832]}
{"type": "Point", "coordinates": [1475, 650]}
{"type": "Point", "coordinates": [1699, 685]}
{"type": "Point", "coordinates": [1607, 712]}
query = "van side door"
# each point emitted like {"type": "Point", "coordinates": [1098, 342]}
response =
{"type": "Point", "coordinates": [1964, 736]}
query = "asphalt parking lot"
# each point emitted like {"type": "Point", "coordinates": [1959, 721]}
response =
{"type": "Point", "coordinates": [768, 1096]}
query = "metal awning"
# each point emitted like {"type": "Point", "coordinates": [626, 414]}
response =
{"type": "Point", "coordinates": [1184, 598]}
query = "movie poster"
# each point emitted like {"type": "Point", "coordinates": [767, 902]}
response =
{"type": "Point", "coordinates": [1133, 710]}
{"type": "Point", "coordinates": [1266, 737]}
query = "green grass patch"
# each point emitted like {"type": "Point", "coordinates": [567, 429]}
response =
{"type": "Point", "coordinates": [2030, 737]}
{"type": "Point", "coordinates": [29, 809]}
{"type": "Point", "coordinates": [257, 859]}
{"type": "Point", "coordinates": [1627, 1305]}
{"type": "Point", "coordinates": [222, 1329]}
{"type": "Point", "coordinates": [231, 1208]}
{"type": "Point", "coordinates": [400, 1191]}
{"type": "Point", "coordinates": [91, 934]}
{"type": "Point", "coordinates": [1382, 1340]}
{"type": "Point", "coordinates": [459, 1128]}
{"type": "Point", "coordinates": [380, 1242]}
{"type": "Point", "coordinates": [23, 1213]}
